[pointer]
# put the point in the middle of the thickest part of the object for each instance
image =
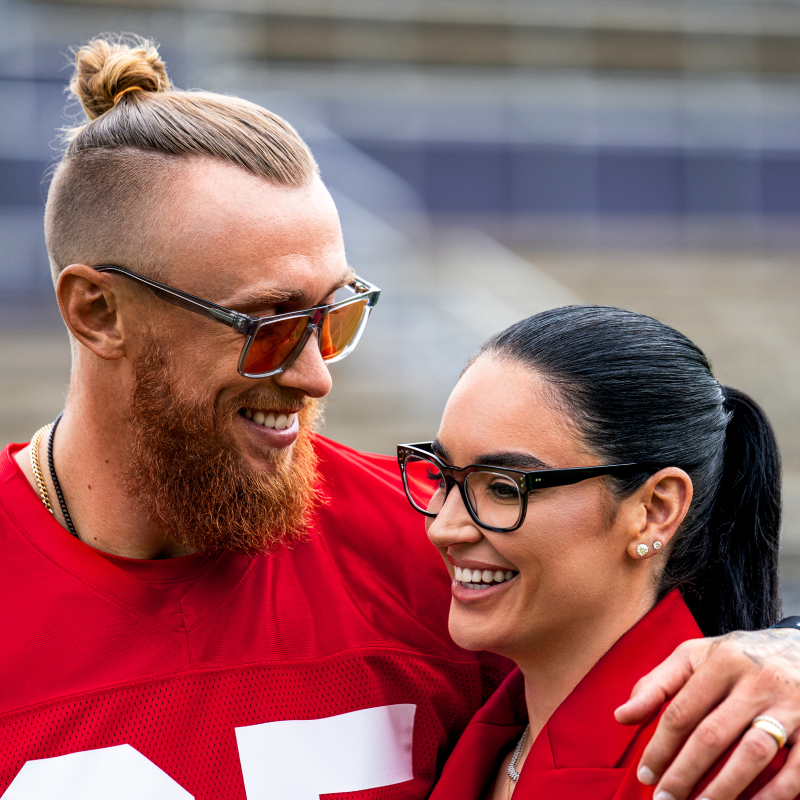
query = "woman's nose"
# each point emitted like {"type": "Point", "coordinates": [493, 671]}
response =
{"type": "Point", "coordinates": [453, 524]}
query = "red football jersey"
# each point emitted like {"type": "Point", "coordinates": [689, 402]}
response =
{"type": "Point", "coordinates": [325, 669]}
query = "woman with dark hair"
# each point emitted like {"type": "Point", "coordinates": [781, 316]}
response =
{"type": "Point", "coordinates": [612, 500]}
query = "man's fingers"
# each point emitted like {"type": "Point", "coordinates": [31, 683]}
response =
{"type": "Point", "coordinates": [713, 736]}
{"type": "Point", "coordinates": [755, 750]}
{"type": "Point", "coordinates": [683, 715]}
{"type": "Point", "coordinates": [786, 784]}
{"type": "Point", "coordinates": [645, 700]}
{"type": "Point", "coordinates": [707, 742]}
{"type": "Point", "coordinates": [655, 688]}
{"type": "Point", "coordinates": [760, 670]}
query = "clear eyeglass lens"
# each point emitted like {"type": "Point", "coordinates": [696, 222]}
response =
{"type": "Point", "coordinates": [495, 498]}
{"type": "Point", "coordinates": [425, 484]}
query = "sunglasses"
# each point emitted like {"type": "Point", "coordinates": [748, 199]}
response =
{"type": "Point", "coordinates": [273, 344]}
{"type": "Point", "coordinates": [496, 497]}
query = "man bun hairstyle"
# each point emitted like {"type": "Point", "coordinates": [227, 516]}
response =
{"type": "Point", "coordinates": [119, 167]}
{"type": "Point", "coordinates": [640, 391]}
{"type": "Point", "coordinates": [105, 72]}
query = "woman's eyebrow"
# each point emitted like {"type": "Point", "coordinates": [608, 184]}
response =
{"type": "Point", "coordinates": [508, 459]}
{"type": "Point", "coordinates": [512, 460]}
{"type": "Point", "coordinates": [440, 450]}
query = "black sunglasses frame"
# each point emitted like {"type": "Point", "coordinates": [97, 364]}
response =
{"type": "Point", "coordinates": [249, 326]}
{"type": "Point", "coordinates": [527, 481]}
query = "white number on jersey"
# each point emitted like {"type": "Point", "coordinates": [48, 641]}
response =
{"type": "Point", "coordinates": [302, 759]}
{"type": "Point", "coordinates": [284, 760]}
{"type": "Point", "coordinates": [121, 772]}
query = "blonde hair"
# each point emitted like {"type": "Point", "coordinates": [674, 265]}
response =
{"type": "Point", "coordinates": [141, 133]}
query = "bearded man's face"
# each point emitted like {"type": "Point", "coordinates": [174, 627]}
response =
{"type": "Point", "coordinates": [219, 461]}
{"type": "Point", "coordinates": [194, 484]}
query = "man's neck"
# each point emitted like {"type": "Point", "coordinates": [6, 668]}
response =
{"type": "Point", "coordinates": [90, 461]}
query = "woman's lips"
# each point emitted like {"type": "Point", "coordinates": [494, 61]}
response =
{"type": "Point", "coordinates": [479, 580]}
{"type": "Point", "coordinates": [466, 594]}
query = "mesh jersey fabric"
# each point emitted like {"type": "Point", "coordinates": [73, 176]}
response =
{"type": "Point", "coordinates": [355, 618]}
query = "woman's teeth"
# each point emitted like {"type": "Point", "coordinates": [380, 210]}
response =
{"type": "Point", "coordinates": [482, 578]}
{"type": "Point", "coordinates": [270, 420]}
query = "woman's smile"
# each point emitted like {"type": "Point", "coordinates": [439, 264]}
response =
{"type": "Point", "coordinates": [474, 581]}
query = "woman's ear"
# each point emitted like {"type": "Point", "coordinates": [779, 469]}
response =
{"type": "Point", "coordinates": [89, 306]}
{"type": "Point", "coordinates": [661, 504]}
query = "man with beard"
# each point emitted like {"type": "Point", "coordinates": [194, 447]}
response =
{"type": "Point", "coordinates": [203, 598]}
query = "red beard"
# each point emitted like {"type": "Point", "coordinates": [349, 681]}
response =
{"type": "Point", "coordinates": [199, 490]}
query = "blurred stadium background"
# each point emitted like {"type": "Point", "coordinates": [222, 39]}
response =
{"type": "Point", "coordinates": [490, 158]}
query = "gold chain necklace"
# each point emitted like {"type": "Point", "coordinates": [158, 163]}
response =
{"type": "Point", "coordinates": [41, 486]}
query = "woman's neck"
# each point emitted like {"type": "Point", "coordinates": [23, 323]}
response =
{"type": "Point", "coordinates": [559, 665]}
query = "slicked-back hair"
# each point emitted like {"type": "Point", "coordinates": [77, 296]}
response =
{"type": "Point", "coordinates": [638, 391]}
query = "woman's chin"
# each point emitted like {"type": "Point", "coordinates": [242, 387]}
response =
{"type": "Point", "coordinates": [479, 617]}
{"type": "Point", "coordinates": [472, 634]}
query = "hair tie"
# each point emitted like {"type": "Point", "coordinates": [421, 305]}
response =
{"type": "Point", "coordinates": [125, 91]}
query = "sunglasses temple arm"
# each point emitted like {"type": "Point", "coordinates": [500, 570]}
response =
{"type": "Point", "coordinates": [239, 322]}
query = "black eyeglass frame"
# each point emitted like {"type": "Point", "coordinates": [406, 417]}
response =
{"type": "Point", "coordinates": [527, 480]}
{"type": "Point", "coordinates": [249, 326]}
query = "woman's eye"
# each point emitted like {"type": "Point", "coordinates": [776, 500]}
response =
{"type": "Point", "coordinates": [503, 491]}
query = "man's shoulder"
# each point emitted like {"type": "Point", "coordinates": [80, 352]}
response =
{"type": "Point", "coordinates": [335, 456]}
{"type": "Point", "coordinates": [353, 476]}
{"type": "Point", "coordinates": [14, 487]}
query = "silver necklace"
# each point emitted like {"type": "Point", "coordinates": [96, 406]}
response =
{"type": "Point", "coordinates": [512, 766]}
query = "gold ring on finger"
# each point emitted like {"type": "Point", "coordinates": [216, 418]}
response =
{"type": "Point", "coordinates": [771, 726]}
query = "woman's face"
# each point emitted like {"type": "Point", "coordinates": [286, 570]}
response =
{"type": "Point", "coordinates": [570, 565]}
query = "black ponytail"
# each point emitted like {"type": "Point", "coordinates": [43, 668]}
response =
{"type": "Point", "coordinates": [642, 392]}
{"type": "Point", "coordinates": [740, 549]}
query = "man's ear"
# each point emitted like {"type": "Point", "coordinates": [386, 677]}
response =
{"type": "Point", "coordinates": [661, 504]}
{"type": "Point", "coordinates": [88, 304]}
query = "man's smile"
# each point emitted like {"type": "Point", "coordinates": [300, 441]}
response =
{"type": "Point", "coordinates": [274, 428]}
{"type": "Point", "coordinates": [279, 420]}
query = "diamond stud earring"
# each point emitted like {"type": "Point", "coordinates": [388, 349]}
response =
{"type": "Point", "coordinates": [642, 550]}
{"type": "Point", "coordinates": [656, 545]}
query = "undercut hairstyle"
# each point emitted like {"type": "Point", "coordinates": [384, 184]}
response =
{"type": "Point", "coordinates": [107, 193]}
{"type": "Point", "coordinates": [639, 391]}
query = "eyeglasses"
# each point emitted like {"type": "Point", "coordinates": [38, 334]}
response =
{"type": "Point", "coordinates": [496, 498]}
{"type": "Point", "coordinates": [274, 343]}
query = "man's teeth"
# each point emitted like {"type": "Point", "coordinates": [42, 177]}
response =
{"type": "Point", "coordinates": [482, 578]}
{"type": "Point", "coordinates": [270, 420]}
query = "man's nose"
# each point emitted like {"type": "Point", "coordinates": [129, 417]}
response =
{"type": "Point", "coordinates": [309, 373]}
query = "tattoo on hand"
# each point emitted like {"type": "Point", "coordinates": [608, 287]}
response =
{"type": "Point", "coordinates": [777, 648]}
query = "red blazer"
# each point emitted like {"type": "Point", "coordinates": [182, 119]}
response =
{"type": "Point", "coordinates": [582, 752]}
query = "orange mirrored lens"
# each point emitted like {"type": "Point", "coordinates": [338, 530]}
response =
{"type": "Point", "coordinates": [339, 328]}
{"type": "Point", "coordinates": [273, 344]}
